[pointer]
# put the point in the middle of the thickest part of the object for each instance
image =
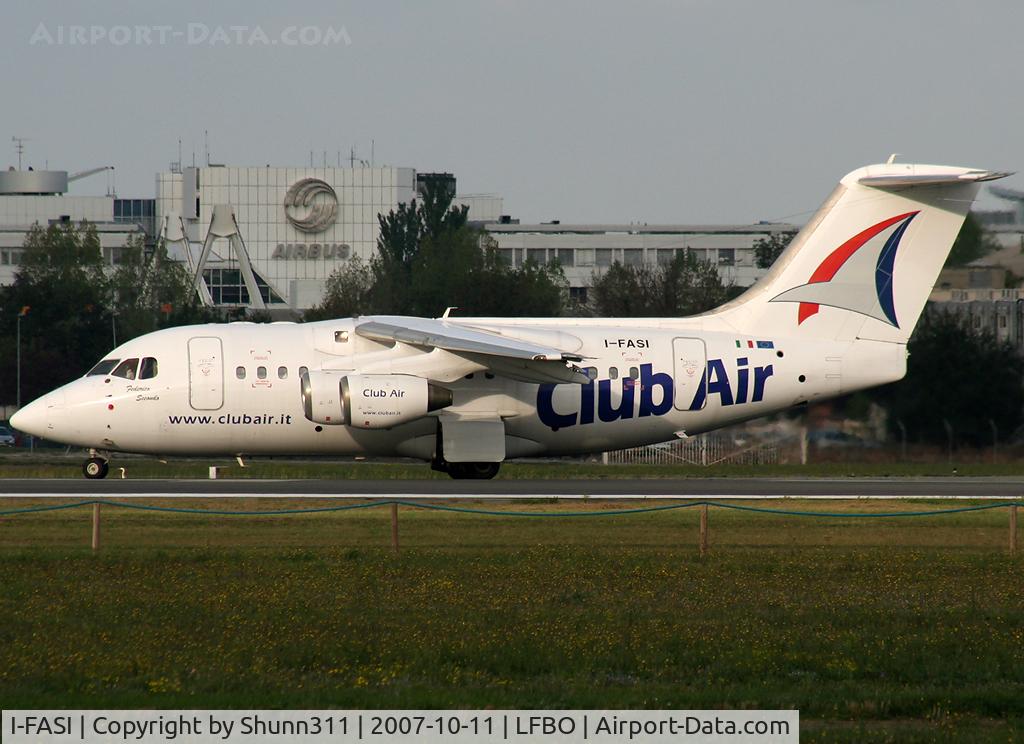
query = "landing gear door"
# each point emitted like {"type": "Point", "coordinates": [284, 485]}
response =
{"type": "Point", "coordinates": [205, 373]}
{"type": "Point", "coordinates": [690, 361]}
{"type": "Point", "coordinates": [473, 439]}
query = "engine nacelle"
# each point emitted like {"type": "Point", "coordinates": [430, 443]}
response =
{"type": "Point", "coordinates": [322, 400]}
{"type": "Point", "coordinates": [369, 401]}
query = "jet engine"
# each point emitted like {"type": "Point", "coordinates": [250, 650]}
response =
{"type": "Point", "coordinates": [369, 401]}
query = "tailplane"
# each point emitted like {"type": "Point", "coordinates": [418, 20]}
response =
{"type": "Point", "coordinates": [864, 265]}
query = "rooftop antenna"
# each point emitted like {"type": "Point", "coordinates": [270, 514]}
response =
{"type": "Point", "coordinates": [206, 146]}
{"type": "Point", "coordinates": [372, 147]}
{"type": "Point", "coordinates": [19, 147]}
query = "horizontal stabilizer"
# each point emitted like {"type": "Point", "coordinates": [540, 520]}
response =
{"type": "Point", "coordinates": [931, 179]}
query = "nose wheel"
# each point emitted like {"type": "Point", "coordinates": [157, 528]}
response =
{"type": "Point", "coordinates": [95, 468]}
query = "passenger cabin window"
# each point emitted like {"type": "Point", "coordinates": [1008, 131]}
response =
{"type": "Point", "coordinates": [634, 372]}
{"type": "Point", "coordinates": [261, 373]}
{"type": "Point", "coordinates": [148, 368]}
{"type": "Point", "coordinates": [240, 373]}
{"type": "Point", "coordinates": [282, 373]}
{"type": "Point", "coordinates": [103, 368]}
{"type": "Point", "coordinates": [590, 372]}
{"type": "Point", "coordinates": [303, 370]}
{"type": "Point", "coordinates": [613, 373]}
{"type": "Point", "coordinates": [126, 369]}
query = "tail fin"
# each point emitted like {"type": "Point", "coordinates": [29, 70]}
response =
{"type": "Point", "coordinates": [864, 265]}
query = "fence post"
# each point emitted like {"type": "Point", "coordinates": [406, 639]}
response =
{"type": "Point", "coordinates": [1013, 529]}
{"type": "Point", "coordinates": [703, 530]}
{"type": "Point", "coordinates": [394, 526]}
{"type": "Point", "coordinates": [96, 526]}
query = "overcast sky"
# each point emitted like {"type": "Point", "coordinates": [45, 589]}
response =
{"type": "Point", "coordinates": [581, 111]}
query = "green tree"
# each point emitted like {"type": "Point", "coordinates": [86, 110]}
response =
{"type": "Point", "coordinates": [429, 258]}
{"type": "Point", "coordinates": [687, 286]}
{"type": "Point", "coordinates": [955, 373]}
{"type": "Point", "coordinates": [67, 326]}
{"type": "Point", "coordinates": [972, 242]}
{"type": "Point", "coordinates": [76, 305]}
{"type": "Point", "coordinates": [147, 292]}
{"type": "Point", "coordinates": [346, 294]}
{"type": "Point", "coordinates": [767, 250]}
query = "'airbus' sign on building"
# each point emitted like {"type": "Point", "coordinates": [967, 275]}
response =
{"type": "Point", "coordinates": [297, 224]}
{"type": "Point", "coordinates": [311, 205]}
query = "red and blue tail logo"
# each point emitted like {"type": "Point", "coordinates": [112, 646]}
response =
{"type": "Point", "coordinates": [842, 280]}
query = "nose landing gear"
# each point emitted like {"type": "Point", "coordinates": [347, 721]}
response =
{"type": "Point", "coordinates": [95, 468]}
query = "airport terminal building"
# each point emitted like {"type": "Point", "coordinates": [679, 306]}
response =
{"type": "Point", "coordinates": [296, 225]}
{"type": "Point", "coordinates": [269, 237]}
{"type": "Point", "coordinates": [31, 198]}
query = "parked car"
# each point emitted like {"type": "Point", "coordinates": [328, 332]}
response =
{"type": "Point", "coordinates": [835, 439]}
{"type": "Point", "coordinates": [6, 437]}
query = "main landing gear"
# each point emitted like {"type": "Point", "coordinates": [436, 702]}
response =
{"type": "Point", "coordinates": [474, 470]}
{"type": "Point", "coordinates": [95, 467]}
{"type": "Point", "coordinates": [460, 470]}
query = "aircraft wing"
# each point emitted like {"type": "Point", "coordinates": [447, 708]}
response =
{"type": "Point", "coordinates": [511, 357]}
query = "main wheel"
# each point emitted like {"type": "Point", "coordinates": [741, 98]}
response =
{"type": "Point", "coordinates": [95, 467]}
{"type": "Point", "coordinates": [474, 470]}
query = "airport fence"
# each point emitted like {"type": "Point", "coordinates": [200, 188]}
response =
{"type": "Point", "coordinates": [703, 505]}
{"type": "Point", "coordinates": [710, 449]}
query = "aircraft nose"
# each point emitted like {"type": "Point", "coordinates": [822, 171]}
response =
{"type": "Point", "coordinates": [37, 417]}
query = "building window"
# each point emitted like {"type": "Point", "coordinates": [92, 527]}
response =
{"type": "Point", "coordinates": [507, 256]}
{"type": "Point", "coordinates": [538, 255]}
{"type": "Point", "coordinates": [567, 256]}
{"type": "Point", "coordinates": [240, 373]}
{"type": "Point", "coordinates": [633, 256]}
{"type": "Point", "coordinates": [578, 294]}
{"type": "Point", "coordinates": [282, 373]}
{"type": "Point", "coordinates": [726, 256]}
{"type": "Point", "coordinates": [603, 257]}
{"type": "Point", "coordinates": [666, 256]}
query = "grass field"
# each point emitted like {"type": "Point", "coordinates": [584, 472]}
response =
{"type": "Point", "coordinates": [54, 465]}
{"type": "Point", "coordinates": [876, 629]}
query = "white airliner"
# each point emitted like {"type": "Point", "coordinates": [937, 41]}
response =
{"type": "Point", "coordinates": [832, 316]}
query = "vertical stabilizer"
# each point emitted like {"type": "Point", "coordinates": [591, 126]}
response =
{"type": "Point", "coordinates": [864, 265]}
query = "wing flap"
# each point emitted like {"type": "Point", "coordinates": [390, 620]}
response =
{"type": "Point", "coordinates": [451, 337]}
{"type": "Point", "coordinates": [517, 359]}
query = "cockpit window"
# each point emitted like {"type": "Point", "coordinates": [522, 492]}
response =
{"type": "Point", "coordinates": [103, 368]}
{"type": "Point", "coordinates": [126, 369]}
{"type": "Point", "coordinates": [148, 368]}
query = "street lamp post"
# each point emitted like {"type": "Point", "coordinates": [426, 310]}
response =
{"type": "Point", "coordinates": [21, 314]}
{"type": "Point", "coordinates": [18, 323]}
